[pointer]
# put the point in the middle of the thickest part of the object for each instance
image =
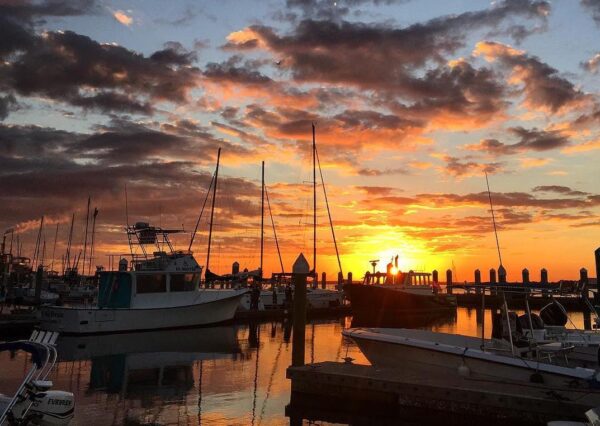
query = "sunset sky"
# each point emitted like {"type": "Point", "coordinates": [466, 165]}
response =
{"type": "Point", "coordinates": [413, 102]}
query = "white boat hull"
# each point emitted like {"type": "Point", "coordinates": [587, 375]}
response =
{"type": "Point", "coordinates": [215, 307]}
{"type": "Point", "coordinates": [445, 354]}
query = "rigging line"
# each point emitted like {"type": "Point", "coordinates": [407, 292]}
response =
{"type": "Point", "coordinates": [329, 213]}
{"type": "Point", "coordinates": [493, 218]}
{"type": "Point", "coordinates": [201, 212]}
{"type": "Point", "coordinates": [262, 219]}
{"type": "Point", "coordinates": [274, 231]}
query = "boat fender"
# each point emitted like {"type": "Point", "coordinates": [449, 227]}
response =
{"type": "Point", "coordinates": [536, 378]}
{"type": "Point", "coordinates": [464, 371]}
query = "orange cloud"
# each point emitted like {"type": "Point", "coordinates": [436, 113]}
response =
{"type": "Point", "coordinates": [123, 18]}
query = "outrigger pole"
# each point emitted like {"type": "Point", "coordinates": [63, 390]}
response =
{"type": "Point", "coordinates": [212, 212]}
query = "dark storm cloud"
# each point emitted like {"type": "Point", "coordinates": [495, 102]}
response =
{"type": "Point", "coordinates": [593, 6]}
{"type": "Point", "coordinates": [529, 140]}
{"type": "Point", "coordinates": [234, 71]}
{"type": "Point", "coordinates": [26, 11]}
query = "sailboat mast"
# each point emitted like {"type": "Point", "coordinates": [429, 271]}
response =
{"type": "Point", "coordinates": [274, 231]}
{"type": "Point", "coordinates": [93, 238]}
{"type": "Point", "coordinates": [212, 211]}
{"type": "Point", "coordinates": [54, 248]}
{"type": "Point", "coordinates": [68, 255]}
{"type": "Point", "coordinates": [262, 218]}
{"type": "Point", "coordinates": [493, 218]}
{"type": "Point", "coordinates": [314, 157]}
{"type": "Point", "coordinates": [87, 222]}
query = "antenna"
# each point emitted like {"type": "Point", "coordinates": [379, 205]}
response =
{"type": "Point", "coordinates": [493, 218]}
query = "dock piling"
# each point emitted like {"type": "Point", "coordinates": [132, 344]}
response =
{"type": "Point", "coordinates": [434, 276]}
{"type": "Point", "coordinates": [449, 281]}
{"type": "Point", "coordinates": [323, 280]}
{"type": "Point", "coordinates": [544, 276]}
{"type": "Point", "coordinates": [597, 256]}
{"type": "Point", "coordinates": [349, 277]}
{"type": "Point", "coordinates": [525, 275]}
{"type": "Point", "coordinates": [300, 271]}
{"type": "Point", "coordinates": [340, 283]}
{"type": "Point", "coordinates": [501, 274]}
{"type": "Point", "coordinates": [492, 276]}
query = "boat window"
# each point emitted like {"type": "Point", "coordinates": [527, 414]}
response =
{"type": "Point", "coordinates": [182, 282]}
{"type": "Point", "coordinates": [151, 283]}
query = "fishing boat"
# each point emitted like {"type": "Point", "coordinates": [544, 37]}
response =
{"type": "Point", "coordinates": [396, 294]}
{"type": "Point", "coordinates": [160, 290]}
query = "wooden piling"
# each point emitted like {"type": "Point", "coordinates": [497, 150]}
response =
{"type": "Point", "coordinates": [323, 280]}
{"type": "Point", "coordinates": [544, 276]}
{"type": "Point", "coordinates": [492, 276]}
{"type": "Point", "coordinates": [597, 256]}
{"type": "Point", "coordinates": [449, 281]}
{"type": "Point", "coordinates": [525, 275]}
{"type": "Point", "coordinates": [434, 276]}
{"type": "Point", "coordinates": [340, 280]}
{"type": "Point", "coordinates": [300, 271]}
{"type": "Point", "coordinates": [349, 277]}
{"type": "Point", "coordinates": [477, 276]}
{"type": "Point", "coordinates": [501, 274]}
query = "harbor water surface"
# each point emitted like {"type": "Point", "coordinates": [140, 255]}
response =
{"type": "Point", "coordinates": [232, 374]}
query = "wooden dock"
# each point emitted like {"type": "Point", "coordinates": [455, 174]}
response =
{"type": "Point", "coordinates": [349, 389]}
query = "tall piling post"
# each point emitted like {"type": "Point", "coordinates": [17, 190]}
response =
{"type": "Point", "coordinates": [544, 276]}
{"type": "Point", "coordinates": [434, 276]}
{"type": "Point", "coordinates": [349, 277]}
{"type": "Point", "coordinates": [597, 256]}
{"type": "Point", "coordinates": [525, 275]}
{"type": "Point", "coordinates": [501, 275]}
{"type": "Point", "coordinates": [449, 281]}
{"type": "Point", "coordinates": [340, 281]}
{"type": "Point", "coordinates": [478, 280]}
{"type": "Point", "coordinates": [492, 276]}
{"type": "Point", "coordinates": [300, 271]}
{"type": "Point", "coordinates": [323, 280]}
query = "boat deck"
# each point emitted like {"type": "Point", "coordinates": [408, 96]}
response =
{"type": "Point", "coordinates": [345, 385]}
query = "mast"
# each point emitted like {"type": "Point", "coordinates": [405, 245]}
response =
{"type": "Point", "coordinates": [212, 212]}
{"type": "Point", "coordinates": [87, 222]}
{"type": "Point", "coordinates": [314, 158]}
{"type": "Point", "coordinates": [201, 212]}
{"type": "Point", "coordinates": [274, 231]}
{"type": "Point", "coordinates": [493, 218]}
{"type": "Point", "coordinates": [262, 219]}
{"type": "Point", "coordinates": [38, 242]}
{"type": "Point", "coordinates": [337, 253]}
{"type": "Point", "coordinates": [54, 248]}
{"type": "Point", "coordinates": [68, 255]}
{"type": "Point", "coordinates": [93, 238]}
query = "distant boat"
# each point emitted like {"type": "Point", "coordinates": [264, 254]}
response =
{"type": "Point", "coordinates": [160, 291]}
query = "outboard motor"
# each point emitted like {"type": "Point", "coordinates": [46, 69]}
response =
{"type": "Point", "coordinates": [49, 408]}
{"type": "Point", "coordinates": [554, 314]}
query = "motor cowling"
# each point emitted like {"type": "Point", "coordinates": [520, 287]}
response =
{"type": "Point", "coordinates": [55, 408]}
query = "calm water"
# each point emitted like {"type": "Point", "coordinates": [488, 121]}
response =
{"type": "Point", "coordinates": [232, 375]}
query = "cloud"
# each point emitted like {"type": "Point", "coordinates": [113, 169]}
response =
{"type": "Point", "coordinates": [543, 87]}
{"type": "Point", "coordinates": [528, 163]}
{"type": "Point", "coordinates": [529, 140]}
{"type": "Point", "coordinates": [592, 64]}
{"type": "Point", "coordinates": [123, 18]}
{"type": "Point", "coordinates": [594, 7]}
{"type": "Point", "coordinates": [79, 71]}
{"type": "Point", "coordinates": [8, 103]}
{"type": "Point", "coordinates": [457, 167]}
{"type": "Point", "coordinates": [558, 189]}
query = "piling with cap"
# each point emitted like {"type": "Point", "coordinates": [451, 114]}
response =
{"type": "Point", "coordinates": [501, 274]}
{"type": "Point", "coordinates": [300, 271]}
{"type": "Point", "coordinates": [477, 276]}
{"type": "Point", "coordinates": [492, 276]}
{"type": "Point", "coordinates": [525, 275]}
{"type": "Point", "coordinates": [349, 277]}
{"type": "Point", "coordinates": [449, 281]}
{"type": "Point", "coordinates": [323, 280]}
{"type": "Point", "coordinates": [340, 280]}
{"type": "Point", "coordinates": [434, 276]}
{"type": "Point", "coordinates": [597, 256]}
{"type": "Point", "coordinates": [544, 276]}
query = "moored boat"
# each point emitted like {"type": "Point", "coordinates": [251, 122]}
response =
{"type": "Point", "coordinates": [160, 291]}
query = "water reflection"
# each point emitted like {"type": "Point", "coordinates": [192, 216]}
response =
{"type": "Point", "coordinates": [218, 375]}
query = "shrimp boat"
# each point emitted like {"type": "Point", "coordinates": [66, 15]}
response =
{"type": "Point", "coordinates": [159, 290]}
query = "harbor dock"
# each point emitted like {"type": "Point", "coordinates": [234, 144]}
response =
{"type": "Point", "coordinates": [389, 391]}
